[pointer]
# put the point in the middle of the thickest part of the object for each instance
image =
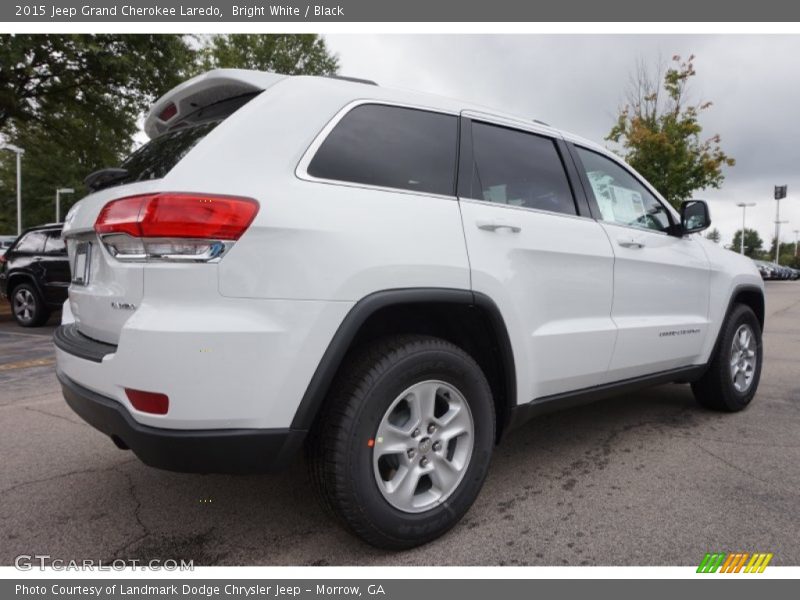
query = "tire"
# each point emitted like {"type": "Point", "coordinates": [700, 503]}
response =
{"type": "Point", "coordinates": [380, 391]}
{"type": "Point", "coordinates": [28, 307]}
{"type": "Point", "coordinates": [721, 388]}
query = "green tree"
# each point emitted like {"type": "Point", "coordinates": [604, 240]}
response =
{"type": "Point", "coordinates": [43, 74]}
{"type": "Point", "coordinates": [659, 133]}
{"type": "Point", "coordinates": [786, 252]}
{"type": "Point", "coordinates": [714, 235]}
{"type": "Point", "coordinates": [73, 102]}
{"type": "Point", "coordinates": [305, 54]}
{"type": "Point", "coordinates": [752, 242]}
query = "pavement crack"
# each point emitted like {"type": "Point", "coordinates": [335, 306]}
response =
{"type": "Point", "coordinates": [59, 476]}
{"type": "Point", "coordinates": [48, 414]}
{"type": "Point", "coordinates": [733, 466]}
{"type": "Point", "coordinates": [137, 516]}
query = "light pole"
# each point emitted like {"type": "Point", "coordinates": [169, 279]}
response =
{"type": "Point", "coordinates": [778, 241]}
{"type": "Point", "coordinates": [60, 191]}
{"type": "Point", "coordinates": [744, 206]}
{"type": "Point", "coordinates": [19, 152]}
{"type": "Point", "coordinates": [780, 194]}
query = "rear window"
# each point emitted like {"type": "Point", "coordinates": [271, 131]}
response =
{"type": "Point", "coordinates": [158, 156]}
{"type": "Point", "coordinates": [31, 242]}
{"type": "Point", "coordinates": [390, 146]}
{"type": "Point", "coordinates": [519, 169]}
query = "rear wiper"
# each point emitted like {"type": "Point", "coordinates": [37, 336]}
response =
{"type": "Point", "coordinates": [104, 178]}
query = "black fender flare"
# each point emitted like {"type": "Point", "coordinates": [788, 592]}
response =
{"type": "Point", "coordinates": [331, 361]}
{"type": "Point", "coordinates": [23, 277]}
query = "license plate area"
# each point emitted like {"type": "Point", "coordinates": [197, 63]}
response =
{"type": "Point", "coordinates": [81, 263]}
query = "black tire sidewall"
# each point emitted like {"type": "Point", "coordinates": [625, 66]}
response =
{"type": "Point", "coordinates": [466, 377]}
{"type": "Point", "coordinates": [734, 399]}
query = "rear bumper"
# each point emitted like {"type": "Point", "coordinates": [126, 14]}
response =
{"type": "Point", "coordinates": [189, 451]}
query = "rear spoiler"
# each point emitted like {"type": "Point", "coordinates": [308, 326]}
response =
{"type": "Point", "coordinates": [204, 90]}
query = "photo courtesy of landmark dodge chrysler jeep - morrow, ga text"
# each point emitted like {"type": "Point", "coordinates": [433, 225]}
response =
{"type": "Point", "coordinates": [387, 280]}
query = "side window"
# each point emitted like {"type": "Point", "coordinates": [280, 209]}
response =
{"type": "Point", "coordinates": [393, 147]}
{"type": "Point", "coordinates": [620, 197]}
{"type": "Point", "coordinates": [518, 168]}
{"type": "Point", "coordinates": [54, 244]}
{"type": "Point", "coordinates": [31, 242]}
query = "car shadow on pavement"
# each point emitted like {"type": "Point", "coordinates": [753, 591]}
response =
{"type": "Point", "coordinates": [118, 508]}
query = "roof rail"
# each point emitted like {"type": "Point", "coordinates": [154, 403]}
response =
{"type": "Point", "coordinates": [351, 79]}
{"type": "Point", "coordinates": [541, 122]}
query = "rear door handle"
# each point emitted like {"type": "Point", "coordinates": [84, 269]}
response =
{"type": "Point", "coordinates": [497, 225]}
{"type": "Point", "coordinates": [631, 243]}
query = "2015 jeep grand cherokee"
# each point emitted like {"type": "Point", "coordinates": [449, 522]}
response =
{"type": "Point", "coordinates": [389, 279]}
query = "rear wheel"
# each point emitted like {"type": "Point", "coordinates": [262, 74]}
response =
{"type": "Point", "coordinates": [403, 447]}
{"type": "Point", "coordinates": [28, 307]}
{"type": "Point", "coordinates": [735, 370]}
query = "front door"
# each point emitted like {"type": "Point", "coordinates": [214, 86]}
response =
{"type": "Point", "coordinates": [661, 282]}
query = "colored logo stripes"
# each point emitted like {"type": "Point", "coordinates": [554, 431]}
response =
{"type": "Point", "coordinates": [735, 562]}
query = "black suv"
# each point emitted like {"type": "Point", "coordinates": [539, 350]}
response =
{"type": "Point", "coordinates": [34, 274]}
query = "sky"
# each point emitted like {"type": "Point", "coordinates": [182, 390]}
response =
{"type": "Point", "coordinates": [578, 82]}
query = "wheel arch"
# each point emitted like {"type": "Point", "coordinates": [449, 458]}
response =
{"type": "Point", "coordinates": [461, 316]}
{"type": "Point", "coordinates": [20, 277]}
{"type": "Point", "coordinates": [749, 295]}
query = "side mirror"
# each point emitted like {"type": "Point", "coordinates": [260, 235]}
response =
{"type": "Point", "coordinates": [694, 217]}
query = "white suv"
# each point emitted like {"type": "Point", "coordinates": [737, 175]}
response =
{"type": "Point", "coordinates": [389, 279]}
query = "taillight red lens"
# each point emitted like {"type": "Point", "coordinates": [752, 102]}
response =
{"type": "Point", "coordinates": [149, 402]}
{"type": "Point", "coordinates": [121, 216]}
{"type": "Point", "coordinates": [178, 216]}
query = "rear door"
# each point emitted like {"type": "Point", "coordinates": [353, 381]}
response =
{"type": "Point", "coordinates": [55, 265]}
{"type": "Point", "coordinates": [661, 282]}
{"type": "Point", "coordinates": [535, 251]}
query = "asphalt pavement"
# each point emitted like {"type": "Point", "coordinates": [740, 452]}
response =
{"type": "Point", "coordinates": [642, 479]}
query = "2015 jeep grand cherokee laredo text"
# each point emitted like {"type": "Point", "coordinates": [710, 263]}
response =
{"type": "Point", "coordinates": [387, 279]}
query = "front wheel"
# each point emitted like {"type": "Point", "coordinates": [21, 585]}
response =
{"type": "Point", "coordinates": [735, 370]}
{"type": "Point", "coordinates": [404, 445]}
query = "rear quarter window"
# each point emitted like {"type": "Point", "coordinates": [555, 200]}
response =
{"type": "Point", "coordinates": [393, 147]}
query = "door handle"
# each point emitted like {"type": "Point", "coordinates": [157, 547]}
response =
{"type": "Point", "coordinates": [496, 225]}
{"type": "Point", "coordinates": [631, 243]}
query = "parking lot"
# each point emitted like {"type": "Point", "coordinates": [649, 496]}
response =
{"type": "Point", "coordinates": [642, 479]}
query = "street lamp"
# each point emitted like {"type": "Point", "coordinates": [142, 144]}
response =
{"type": "Point", "coordinates": [744, 206]}
{"type": "Point", "coordinates": [60, 191]}
{"type": "Point", "coordinates": [19, 152]}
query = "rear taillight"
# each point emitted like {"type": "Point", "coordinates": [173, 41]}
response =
{"type": "Point", "coordinates": [173, 226]}
{"type": "Point", "coordinates": [149, 402]}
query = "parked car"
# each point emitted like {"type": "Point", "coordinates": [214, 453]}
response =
{"type": "Point", "coordinates": [389, 279]}
{"type": "Point", "coordinates": [5, 243]}
{"type": "Point", "coordinates": [765, 269]}
{"type": "Point", "coordinates": [34, 275]}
